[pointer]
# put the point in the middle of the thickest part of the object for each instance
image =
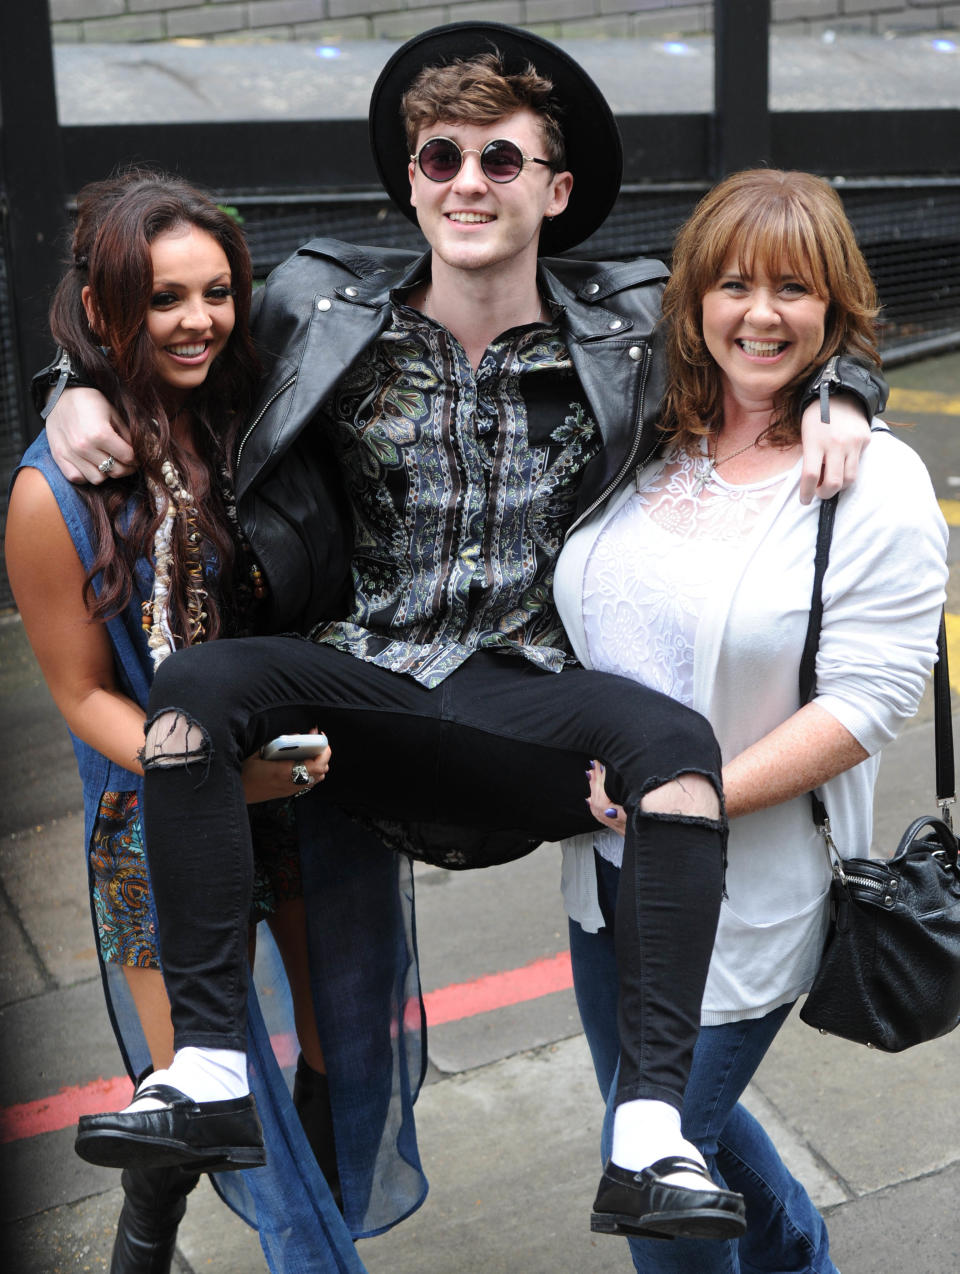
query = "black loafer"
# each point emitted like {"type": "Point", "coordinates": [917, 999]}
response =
{"type": "Point", "coordinates": [209, 1135]}
{"type": "Point", "coordinates": [639, 1203]}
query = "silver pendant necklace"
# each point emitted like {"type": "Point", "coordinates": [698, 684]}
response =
{"type": "Point", "coordinates": [709, 463]}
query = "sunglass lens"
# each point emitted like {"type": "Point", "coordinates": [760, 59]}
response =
{"type": "Point", "coordinates": [502, 160]}
{"type": "Point", "coordinates": [440, 159]}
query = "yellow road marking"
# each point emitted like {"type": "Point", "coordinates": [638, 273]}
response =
{"type": "Point", "coordinates": [926, 401]}
{"type": "Point", "coordinates": [953, 650]}
{"type": "Point", "coordinates": [951, 511]}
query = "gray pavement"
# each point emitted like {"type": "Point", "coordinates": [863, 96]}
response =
{"type": "Point", "coordinates": [104, 83]}
{"type": "Point", "coordinates": [509, 1119]}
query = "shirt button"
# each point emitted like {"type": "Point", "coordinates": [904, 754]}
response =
{"type": "Point", "coordinates": [592, 289]}
{"type": "Point", "coordinates": [351, 292]}
{"type": "Point", "coordinates": [635, 352]}
{"type": "Point", "coordinates": [324, 303]}
{"type": "Point", "coordinates": [616, 325]}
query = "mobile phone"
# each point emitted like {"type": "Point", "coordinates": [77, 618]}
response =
{"type": "Point", "coordinates": [293, 747]}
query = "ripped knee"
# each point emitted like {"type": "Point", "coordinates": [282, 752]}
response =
{"type": "Point", "coordinates": [686, 796]}
{"type": "Point", "coordinates": [173, 739]}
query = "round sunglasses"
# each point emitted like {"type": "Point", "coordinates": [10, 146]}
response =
{"type": "Point", "coordinates": [440, 159]}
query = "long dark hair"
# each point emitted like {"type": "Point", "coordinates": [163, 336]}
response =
{"type": "Point", "coordinates": [117, 221]}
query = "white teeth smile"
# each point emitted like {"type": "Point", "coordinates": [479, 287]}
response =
{"type": "Point", "coordinates": [471, 217]}
{"type": "Point", "coordinates": [762, 349]}
{"type": "Point", "coordinates": [188, 351]}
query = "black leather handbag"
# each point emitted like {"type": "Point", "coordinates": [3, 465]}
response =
{"type": "Point", "coordinates": [889, 976]}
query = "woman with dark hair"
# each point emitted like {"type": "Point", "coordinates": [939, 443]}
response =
{"type": "Point", "coordinates": [696, 580]}
{"type": "Point", "coordinates": [109, 580]}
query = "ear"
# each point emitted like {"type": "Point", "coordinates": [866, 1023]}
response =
{"type": "Point", "coordinates": [93, 319]}
{"type": "Point", "coordinates": [411, 173]}
{"type": "Point", "coordinates": [560, 188]}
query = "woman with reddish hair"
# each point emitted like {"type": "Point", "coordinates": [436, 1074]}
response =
{"type": "Point", "coordinates": [695, 580]}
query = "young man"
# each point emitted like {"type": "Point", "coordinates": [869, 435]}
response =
{"type": "Point", "coordinates": [477, 404]}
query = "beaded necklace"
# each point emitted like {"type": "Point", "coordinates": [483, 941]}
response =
{"type": "Point", "coordinates": [252, 576]}
{"type": "Point", "coordinates": [174, 500]}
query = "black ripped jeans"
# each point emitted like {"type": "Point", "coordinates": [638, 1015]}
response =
{"type": "Point", "coordinates": [499, 746]}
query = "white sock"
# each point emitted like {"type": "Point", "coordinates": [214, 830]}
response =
{"type": "Point", "coordinates": [204, 1074]}
{"type": "Point", "coordinates": [645, 1131]}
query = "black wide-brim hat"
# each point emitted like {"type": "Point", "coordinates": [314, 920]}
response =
{"type": "Point", "coordinates": [590, 133]}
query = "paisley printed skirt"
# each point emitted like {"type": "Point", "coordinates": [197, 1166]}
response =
{"type": "Point", "coordinates": [120, 884]}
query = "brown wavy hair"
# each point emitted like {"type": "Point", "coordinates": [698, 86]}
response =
{"type": "Point", "coordinates": [117, 221]}
{"type": "Point", "coordinates": [766, 217]}
{"type": "Point", "coordinates": [478, 90]}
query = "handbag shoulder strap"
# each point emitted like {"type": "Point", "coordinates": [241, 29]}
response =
{"type": "Point", "coordinates": [808, 660]}
{"type": "Point", "coordinates": [943, 732]}
{"type": "Point", "coordinates": [946, 773]}
{"type": "Point", "coordinates": [811, 644]}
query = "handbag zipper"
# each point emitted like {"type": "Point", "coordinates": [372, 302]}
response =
{"type": "Point", "coordinates": [886, 890]}
{"type": "Point", "coordinates": [866, 882]}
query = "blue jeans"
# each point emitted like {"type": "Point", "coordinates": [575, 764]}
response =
{"type": "Point", "coordinates": [785, 1233]}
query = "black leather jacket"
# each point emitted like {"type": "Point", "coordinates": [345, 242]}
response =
{"type": "Point", "coordinates": [317, 315]}
{"type": "Point", "coordinates": [327, 304]}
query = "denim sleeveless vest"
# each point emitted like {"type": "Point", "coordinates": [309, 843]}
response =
{"type": "Point", "coordinates": [130, 650]}
{"type": "Point", "coordinates": [351, 884]}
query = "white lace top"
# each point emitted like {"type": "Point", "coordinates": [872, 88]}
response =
{"type": "Point", "coordinates": [706, 594]}
{"type": "Point", "coordinates": [676, 542]}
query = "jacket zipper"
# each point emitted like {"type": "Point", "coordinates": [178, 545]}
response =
{"type": "Point", "coordinates": [829, 374]}
{"type": "Point", "coordinates": [631, 456]}
{"type": "Point", "coordinates": [269, 403]}
{"type": "Point", "coordinates": [827, 378]}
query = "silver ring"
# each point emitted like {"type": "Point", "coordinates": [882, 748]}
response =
{"type": "Point", "coordinates": [106, 466]}
{"type": "Point", "coordinates": [300, 775]}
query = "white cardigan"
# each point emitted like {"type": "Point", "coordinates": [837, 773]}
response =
{"type": "Point", "coordinates": [882, 595]}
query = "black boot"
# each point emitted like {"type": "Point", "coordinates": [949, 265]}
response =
{"type": "Point", "coordinates": [311, 1097]}
{"type": "Point", "coordinates": [155, 1200]}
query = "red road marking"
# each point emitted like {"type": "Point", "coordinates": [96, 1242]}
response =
{"type": "Point", "coordinates": [496, 990]}
{"type": "Point", "coordinates": [447, 1004]}
{"type": "Point", "coordinates": [50, 1114]}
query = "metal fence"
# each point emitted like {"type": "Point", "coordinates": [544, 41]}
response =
{"type": "Point", "coordinates": [909, 232]}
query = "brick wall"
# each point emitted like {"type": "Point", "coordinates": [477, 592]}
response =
{"type": "Point", "coordinates": [334, 20]}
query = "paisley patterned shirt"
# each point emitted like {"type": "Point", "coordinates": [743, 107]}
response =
{"type": "Point", "coordinates": [462, 487]}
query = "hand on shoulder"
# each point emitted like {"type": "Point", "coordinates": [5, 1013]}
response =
{"type": "Point", "coordinates": [85, 434]}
